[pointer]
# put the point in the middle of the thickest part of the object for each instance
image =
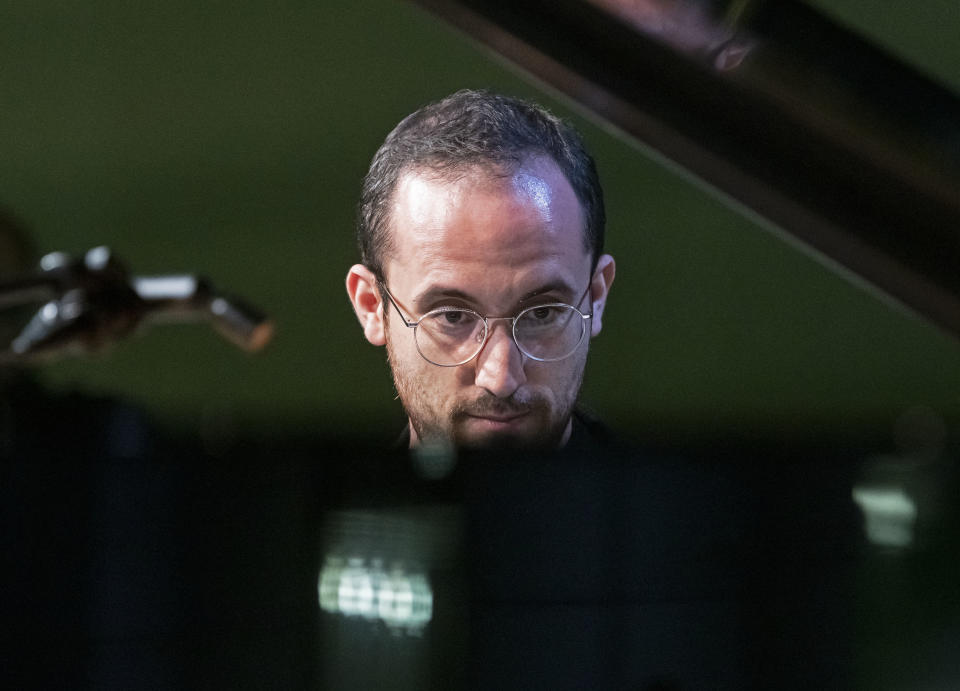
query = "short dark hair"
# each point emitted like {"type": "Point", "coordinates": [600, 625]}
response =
{"type": "Point", "coordinates": [474, 128]}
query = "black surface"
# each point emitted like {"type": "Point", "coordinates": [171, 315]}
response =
{"type": "Point", "coordinates": [138, 562]}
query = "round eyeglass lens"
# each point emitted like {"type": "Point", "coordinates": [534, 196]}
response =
{"type": "Point", "coordinates": [449, 337]}
{"type": "Point", "coordinates": [549, 332]}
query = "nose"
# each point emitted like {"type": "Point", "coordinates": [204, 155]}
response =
{"type": "Point", "coordinates": [500, 363]}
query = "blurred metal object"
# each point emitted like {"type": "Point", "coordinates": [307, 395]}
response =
{"type": "Point", "coordinates": [89, 303]}
{"type": "Point", "coordinates": [846, 149]}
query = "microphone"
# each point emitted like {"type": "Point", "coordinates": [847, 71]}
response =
{"type": "Point", "coordinates": [92, 302]}
{"type": "Point", "coordinates": [185, 297]}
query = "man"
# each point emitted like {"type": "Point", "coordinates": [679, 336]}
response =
{"type": "Point", "coordinates": [481, 228]}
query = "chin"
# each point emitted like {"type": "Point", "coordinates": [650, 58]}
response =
{"type": "Point", "coordinates": [538, 437]}
{"type": "Point", "coordinates": [535, 430]}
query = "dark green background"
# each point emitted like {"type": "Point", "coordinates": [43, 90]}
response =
{"type": "Point", "coordinates": [230, 138]}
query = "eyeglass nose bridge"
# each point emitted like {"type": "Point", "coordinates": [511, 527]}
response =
{"type": "Point", "coordinates": [488, 331]}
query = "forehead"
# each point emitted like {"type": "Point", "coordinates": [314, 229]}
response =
{"type": "Point", "coordinates": [488, 232]}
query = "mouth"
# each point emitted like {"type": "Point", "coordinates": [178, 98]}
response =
{"type": "Point", "coordinates": [497, 421]}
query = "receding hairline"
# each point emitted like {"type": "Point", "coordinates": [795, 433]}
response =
{"type": "Point", "coordinates": [485, 172]}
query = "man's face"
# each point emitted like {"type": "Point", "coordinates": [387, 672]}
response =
{"type": "Point", "coordinates": [493, 244]}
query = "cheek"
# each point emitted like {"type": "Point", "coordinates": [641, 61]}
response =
{"type": "Point", "coordinates": [446, 386]}
{"type": "Point", "coordinates": [404, 360]}
{"type": "Point", "coordinates": [401, 344]}
{"type": "Point", "coordinates": [436, 384]}
{"type": "Point", "coordinates": [552, 375]}
{"type": "Point", "coordinates": [464, 375]}
{"type": "Point", "coordinates": [559, 380]}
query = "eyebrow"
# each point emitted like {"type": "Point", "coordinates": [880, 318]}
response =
{"type": "Point", "coordinates": [436, 293]}
{"type": "Point", "coordinates": [557, 286]}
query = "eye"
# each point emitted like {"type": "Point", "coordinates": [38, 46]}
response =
{"type": "Point", "coordinates": [541, 313]}
{"type": "Point", "coordinates": [451, 322]}
{"type": "Point", "coordinates": [544, 319]}
{"type": "Point", "coordinates": [542, 316]}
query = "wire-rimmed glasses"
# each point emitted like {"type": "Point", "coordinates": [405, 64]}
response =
{"type": "Point", "coordinates": [452, 336]}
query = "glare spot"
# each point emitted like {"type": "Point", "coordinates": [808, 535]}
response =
{"type": "Point", "coordinates": [54, 260]}
{"type": "Point", "coordinates": [97, 258]}
{"type": "Point", "coordinates": [158, 287]}
{"type": "Point", "coordinates": [400, 598]}
{"type": "Point", "coordinates": [50, 312]}
{"type": "Point", "coordinates": [536, 190]}
{"type": "Point", "coordinates": [219, 306]}
{"type": "Point", "coordinates": [70, 309]}
{"type": "Point", "coordinates": [889, 515]}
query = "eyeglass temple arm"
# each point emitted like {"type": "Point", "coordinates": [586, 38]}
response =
{"type": "Point", "coordinates": [406, 322]}
{"type": "Point", "coordinates": [585, 294]}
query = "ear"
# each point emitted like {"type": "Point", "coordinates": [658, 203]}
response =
{"type": "Point", "coordinates": [365, 298]}
{"type": "Point", "coordinates": [599, 289]}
